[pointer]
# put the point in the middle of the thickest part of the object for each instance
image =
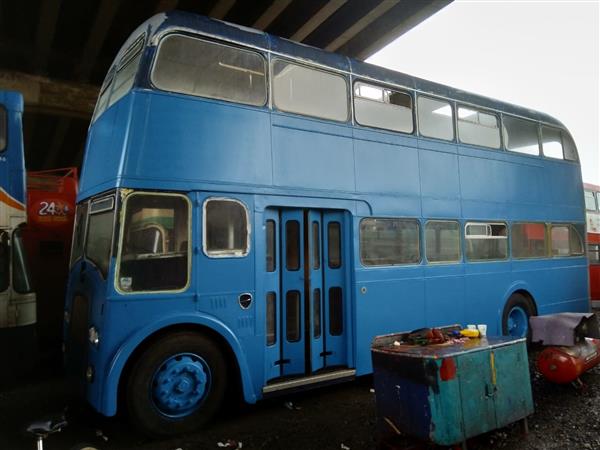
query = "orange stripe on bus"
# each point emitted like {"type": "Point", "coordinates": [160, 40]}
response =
{"type": "Point", "coordinates": [5, 198]}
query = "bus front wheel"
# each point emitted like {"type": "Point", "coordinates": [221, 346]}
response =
{"type": "Point", "coordinates": [176, 385]}
{"type": "Point", "coordinates": [516, 314]}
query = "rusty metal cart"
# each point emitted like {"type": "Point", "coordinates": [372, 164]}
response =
{"type": "Point", "coordinates": [449, 392]}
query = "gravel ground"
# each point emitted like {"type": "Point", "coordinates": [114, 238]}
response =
{"type": "Point", "coordinates": [335, 417]}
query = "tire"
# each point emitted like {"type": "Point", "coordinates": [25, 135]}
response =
{"type": "Point", "coordinates": [176, 385]}
{"type": "Point", "coordinates": [515, 317]}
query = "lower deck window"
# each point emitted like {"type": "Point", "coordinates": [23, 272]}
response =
{"type": "Point", "coordinates": [442, 241]}
{"type": "Point", "coordinates": [226, 228]}
{"type": "Point", "coordinates": [486, 241]}
{"type": "Point", "coordinates": [386, 242]}
{"type": "Point", "coordinates": [528, 240]}
{"type": "Point", "coordinates": [154, 253]}
{"type": "Point", "coordinates": [566, 241]}
{"type": "Point", "coordinates": [594, 253]}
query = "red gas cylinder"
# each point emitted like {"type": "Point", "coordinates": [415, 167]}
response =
{"type": "Point", "coordinates": [565, 364]}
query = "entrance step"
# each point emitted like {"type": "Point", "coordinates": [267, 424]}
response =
{"type": "Point", "coordinates": [336, 376]}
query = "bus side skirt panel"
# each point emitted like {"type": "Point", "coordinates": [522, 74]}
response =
{"type": "Point", "coordinates": [110, 387]}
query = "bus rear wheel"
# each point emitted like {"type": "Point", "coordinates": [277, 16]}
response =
{"type": "Point", "coordinates": [176, 385]}
{"type": "Point", "coordinates": [516, 314]}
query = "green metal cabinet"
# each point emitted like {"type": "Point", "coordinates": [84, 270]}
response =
{"type": "Point", "coordinates": [448, 393]}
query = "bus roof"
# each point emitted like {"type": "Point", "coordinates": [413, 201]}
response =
{"type": "Point", "coordinates": [163, 23]}
{"type": "Point", "coordinates": [12, 100]}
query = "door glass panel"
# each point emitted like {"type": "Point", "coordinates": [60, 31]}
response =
{"type": "Point", "coordinates": [4, 261]}
{"type": "Point", "coordinates": [271, 247]}
{"type": "Point", "coordinates": [292, 319]}
{"type": "Point", "coordinates": [20, 276]}
{"type": "Point", "coordinates": [271, 318]}
{"type": "Point", "coordinates": [316, 253]}
{"type": "Point", "coordinates": [292, 245]}
{"type": "Point", "coordinates": [336, 318]}
{"type": "Point", "coordinates": [317, 313]}
{"type": "Point", "coordinates": [334, 245]}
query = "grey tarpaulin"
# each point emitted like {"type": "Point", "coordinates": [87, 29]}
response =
{"type": "Point", "coordinates": [563, 329]}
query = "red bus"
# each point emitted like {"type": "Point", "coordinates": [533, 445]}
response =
{"type": "Point", "coordinates": [592, 204]}
{"type": "Point", "coordinates": [50, 214]}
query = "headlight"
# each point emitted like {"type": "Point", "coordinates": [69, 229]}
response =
{"type": "Point", "coordinates": [93, 336]}
{"type": "Point", "coordinates": [89, 374]}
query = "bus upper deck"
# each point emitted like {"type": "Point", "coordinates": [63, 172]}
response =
{"type": "Point", "coordinates": [330, 131]}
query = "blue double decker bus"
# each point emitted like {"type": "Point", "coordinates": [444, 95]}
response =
{"type": "Point", "coordinates": [253, 211]}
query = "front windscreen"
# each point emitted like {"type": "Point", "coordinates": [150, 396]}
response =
{"type": "Point", "coordinates": [100, 231]}
{"type": "Point", "coordinates": [21, 280]}
{"type": "Point", "coordinates": [79, 232]}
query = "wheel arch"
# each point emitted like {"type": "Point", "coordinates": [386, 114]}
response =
{"type": "Point", "coordinates": [518, 288]}
{"type": "Point", "coordinates": [121, 363]}
{"type": "Point", "coordinates": [527, 295]}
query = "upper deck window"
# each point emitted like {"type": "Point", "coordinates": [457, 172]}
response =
{"type": "Point", "coordinates": [435, 118]}
{"type": "Point", "coordinates": [3, 128]}
{"type": "Point", "coordinates": [552, 143]}
{"type": "Point", "coordinates": [520, 135]}
{"type": "Point", "coordinates": [120, 77]}
{"type": "Point", "coordinates": [478, 128]}
{"type": "Point", "coordinates": [207, 69]}
{"type": "Point", "coordinates": [313, 92]}
{"type": "Point", "coordinates": [590, 200]}
{"type": "Point", "coordinates": [380, 107]}
{"type": "Point", "coordinates": [126, 71]}
{"type": "Point", "coordinates": [569, 147]}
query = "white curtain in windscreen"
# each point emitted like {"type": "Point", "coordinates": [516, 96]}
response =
{"type": "Point", "coordinates": [207, 69]}
{"type": "Point", "coordinates": [313, 92]}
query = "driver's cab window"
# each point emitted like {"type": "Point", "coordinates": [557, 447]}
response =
{"type": "Point", "coordinates": [155, 241]}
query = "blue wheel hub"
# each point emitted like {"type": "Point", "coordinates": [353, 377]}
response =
{"type": "Point", "coordinates": [180, 385]}
{"type": "Point", "coordinates": [518, 322]}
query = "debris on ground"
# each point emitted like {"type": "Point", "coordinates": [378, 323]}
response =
{"type": "Point", "coordinates": [291, 406]}
{"type": "Point", "coordinates": [231, 444]}
{"type": "Point", "coordinates": [100, 434]}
